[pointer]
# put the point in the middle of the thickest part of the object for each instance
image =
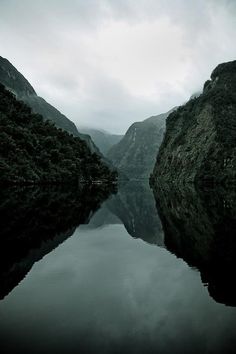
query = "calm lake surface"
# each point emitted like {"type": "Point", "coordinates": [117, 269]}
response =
{"type": "Point", "coordinates": [133, 273]}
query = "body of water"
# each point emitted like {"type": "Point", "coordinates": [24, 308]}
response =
{"type": "Point", "coordinates": [134, 273]}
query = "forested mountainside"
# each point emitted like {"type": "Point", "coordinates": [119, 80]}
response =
{"type": "Point", "coordinates": [13, 80]}
{"type": "Point", "coordinates": [200, 141]}
{"type": "Point", "coordinates": [33, 150]}
{"type": "Point", "coordinates": [135, 154]}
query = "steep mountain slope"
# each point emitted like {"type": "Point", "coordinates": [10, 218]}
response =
{"type": "Point", "coordinates": [135, 154]}
{"type": "Point", "coordinates": [102, 139]}
{"type": "Point", "coordinates": [200, 140]}
{"type": "Point", "coordinates": [13, 80]}
{"type": "Point", "coordinates": [35, 151]}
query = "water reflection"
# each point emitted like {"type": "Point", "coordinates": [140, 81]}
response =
{"type": "Point", "coordinates": [108, 288]}
{"type": "Point", "coordinates": [199, 226]}
{"type": "Point", "coordinates": [134, 206]}
{"type": "Point", "coordinates": [34, 221]}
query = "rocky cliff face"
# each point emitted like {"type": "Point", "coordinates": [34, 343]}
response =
{"type": "Point", "coordinates": [200, 141]}
{"type": "Point", "coordinates": [15, 82]}
{"type": "Point", "coordinates": [135, 154]}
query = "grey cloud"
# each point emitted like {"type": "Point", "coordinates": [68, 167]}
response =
{"type": "Point", "coordinates": [110, 106]}
{"type": "Point", "coordinates": [55, 44]}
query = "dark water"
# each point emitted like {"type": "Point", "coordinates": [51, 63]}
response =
{"type": "Point", "coordinates": [134, 273]}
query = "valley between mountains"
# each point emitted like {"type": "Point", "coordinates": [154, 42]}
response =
{"type": "Point", "coordinates": [193, 143]}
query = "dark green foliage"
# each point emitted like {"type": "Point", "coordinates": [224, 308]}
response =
{"type": "Point", "coordinates": [14, 81]}
{"type": "Point", "coordinates": [35, 151]}
{"type": "Point", "coordinates": [200, 140]}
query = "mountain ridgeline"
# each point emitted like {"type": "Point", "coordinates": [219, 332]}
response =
{"type": "Point", "coordinates": [135, 154]}
{"type": "Point", "coordinates": [103, 140]}
{"type": "Point", "coordinates": [33, 150]}
{"type": "Point", "coordinates": [200, 140]}
{"type": "Point", "coordinates": [14, 81]}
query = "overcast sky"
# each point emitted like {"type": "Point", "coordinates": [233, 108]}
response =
{"type": "Point", "coordinates": [108, 63]}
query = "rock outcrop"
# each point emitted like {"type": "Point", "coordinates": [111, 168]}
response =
{"type": "Point", "coordinates": [200, 140]}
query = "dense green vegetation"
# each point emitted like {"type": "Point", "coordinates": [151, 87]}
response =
{"type": "Point", "coordinates": [35, 151]}
{"type": "Point", "coordinates": [199, 144]}
{"type": "Point", "coordinates": [13, 80]}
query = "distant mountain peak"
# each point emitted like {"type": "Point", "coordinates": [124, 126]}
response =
{"type": "Point", "coordinates": [135, 154]}
{"type": "Point", "coordinates": [103, 139]}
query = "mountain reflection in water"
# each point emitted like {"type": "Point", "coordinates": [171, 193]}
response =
{"type": "Point", "coordinates": [33, 221]}
{"type": "Point", "coordinates": [135, 207]}
{"type": "Point", "coordinates": [200, 227]}
{"type": "Point", "coordinates": [107, 284]}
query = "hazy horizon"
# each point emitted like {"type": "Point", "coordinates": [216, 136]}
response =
{"type": "Point", "coordinates": [106, 64]}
